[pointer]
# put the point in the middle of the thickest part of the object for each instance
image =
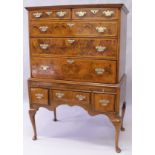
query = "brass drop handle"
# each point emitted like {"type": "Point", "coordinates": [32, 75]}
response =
{"type": "Point", "coordinates": [39, 96]}
{"type": "Point", "coordinates": [71, 41]}
{"type": "Point", "coordinates": [101, 29]}
{"type": "Point", "coordinates": [100, 48]}
{"type": "Point", "coordinates": [108, 13]}
{"type": "Point", "coordinates": [48, 13]}
{"type": "Point", "coordinates": [61, 13]}
{"type": "Point", "coordinates": [37, 14]}
{"type": "Point", "coordinates": [44, 46]}
{"type": "Point", "coordinates": [44, 67]}
{"type": "Point", "coordinates": [104, 102]}
{"type": "Point", "coordinates": [80, 97]}
{"type": "Point", "coordinates": [70, 61]}
{"type": "Point", "coordinates": [99, 71]}
{"type": "Point", "coordinates": [94, 11]}
{"type": "Point", "coordinates": [70, 24]}
{"type": "Point", "coordinates": [81, 13]}
{"type": "Point", "coordinates": [43, 28]}
{"type": "Point", "coordinates": [59, 95]}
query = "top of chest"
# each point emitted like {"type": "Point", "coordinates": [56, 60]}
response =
{"type": "Point", "coordinates": [82, 12]}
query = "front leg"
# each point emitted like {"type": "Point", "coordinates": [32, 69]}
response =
{"type": "Point", "coordinates": [116, 121]}
{"type": "Point", "coordinates": [32, 113]}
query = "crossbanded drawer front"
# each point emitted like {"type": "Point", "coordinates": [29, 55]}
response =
{"type": "Point", "coordinates": [105, 48]}
{"type": "Point", "coordinates": [48, 14]}
{"type": "Point", "coordinates": [71, 29]}
{"type": "Point", "coordinates": [39, 96]}
{"type": "Point", "coordinates": [103, 71]}
{"type": "Point", "coordinates": [104, 102]}
{"type": "Point", "coordinates": [70, 96]}
{"type": "Point", "coordinates": [95, 13]}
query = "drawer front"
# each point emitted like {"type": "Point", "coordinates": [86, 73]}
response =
{"type": "Point", "coordinates": [104, 102]}
{"type": "Point", "coordinates": [70, 97]}
{"type": "Point", "coordinates": [96, 13]}
{"type": "Point", "coordinates": [106, 48]}
{"type": "Point", "coordinates": [39, 96]}
{"type": "Point", "coordinates": [103, 71]}
{"type": "Point", "coordinates": [50, 14]}
{"type": "Point", "coordinates": [61, 29]}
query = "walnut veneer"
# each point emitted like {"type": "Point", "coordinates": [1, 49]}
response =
{"type": "Point", "coordinates": [77, 57]}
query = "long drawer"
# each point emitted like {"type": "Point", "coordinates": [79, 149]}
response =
{"type": "Point", "coordinates": [105, 48]}
{"type": "Point", "coordinates": [73, 28]}
{"type": "Point", "coordinates": [103, 71]}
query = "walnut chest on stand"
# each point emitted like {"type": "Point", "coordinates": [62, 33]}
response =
{"type": "Point", "coordinates": [77, 57]}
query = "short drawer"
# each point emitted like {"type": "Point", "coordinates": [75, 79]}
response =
{"type": "Point", "coordinates": [70, 97]}
{"type": "Point", "coordinates": [104, 102]}
{"type": "Point", "coordinates": [96, 13]}
{"type": "Point", "coordinates": [89, 47]}
{"type": "Point", "coordinates": [72, 69]}
{"type": "Point", "coordinates": [50, 14]}
{"type": "Point", "coordinates": [39, 96]}
{"type": "Point", "coordinates": [73, 29]}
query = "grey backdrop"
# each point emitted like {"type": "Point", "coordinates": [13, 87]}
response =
{"type": "Point", "coordinates": [26, 71]}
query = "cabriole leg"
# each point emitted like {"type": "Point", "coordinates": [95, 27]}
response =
{"type": "Point", "coordinates": [116, 121]}
{"type": "Point", "coordinates": [32, 113]}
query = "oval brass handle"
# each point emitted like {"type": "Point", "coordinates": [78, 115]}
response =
{"type": "Point", "coordinates": [70, 61]}
{"type": "Point", "coordinates": [61, 13]}
{"type": "Point", "coordinates": [104, 102]}
{"type": "Point", "coordinates": [81, 13]}
{"type": "Point", "coordinates": [100, 48]}
{"type": "Point", "coordinates": [59, 95]}
{"type": "Point", "coordinates": [39, 96]}
{"type": "Point", "coordinates": [71, 41]}
{"type": "Point", "coordinates": [94, 11]}
{"type": "Point", "coordinates": [101, 29]}
{"type": "Point", "coordinates": [99, 71]}
{"type": "Point", "coordinates": [44, 67]}
{"type": "Point", "coordinates": [48, 13]}
{"type": "Point", "coordinates": [80, 97]}
{"type": "Point", "coordinates": [108, 13]}
{"type": "Point", "coordinates": [37, 14]}
{"type": "Point", "coordinates": [70, 24]}
{"type": "Point", "coordinates": [44, 46]}
{"type": "Point", "coordinates": [43, 28]}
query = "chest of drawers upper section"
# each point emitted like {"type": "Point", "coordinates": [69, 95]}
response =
{"type": "Point", "coordinates": [78, 43]}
